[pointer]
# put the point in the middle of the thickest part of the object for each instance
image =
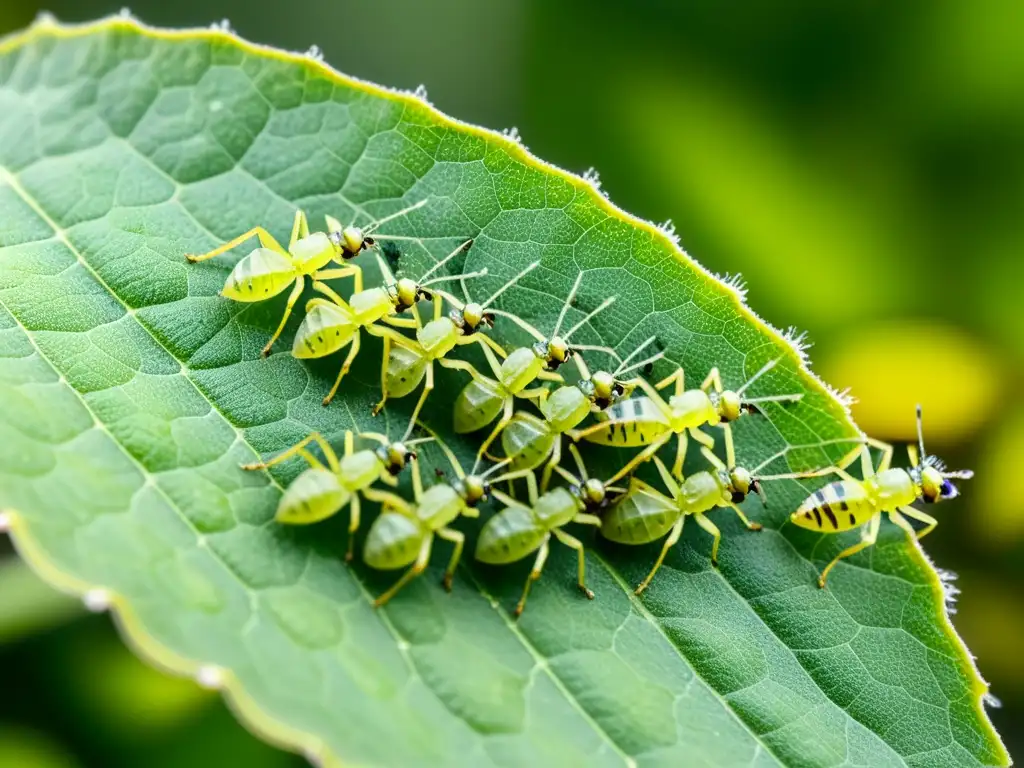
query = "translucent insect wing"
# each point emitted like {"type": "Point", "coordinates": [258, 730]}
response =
{"type": "Point", "coordinates": [520, 369]}
{"type": "Point", "coordinates": [313, 252]}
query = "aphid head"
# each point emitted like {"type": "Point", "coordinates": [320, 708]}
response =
{"type": "Point", "coordinates": [474, 489]}
{"type": "Point", "coordinates": [554, 352]}
{"type": "Point", "coordinates": [740, 484]}
{"type": "Point", "coordinates": [472, 316]}
{"type": "Point", "coordinates": [353, 240]}
{"type": "Point", "coordinates": [395, 456]}
{"type": "Point", "coordinates": [930, 475]}
{"type": "Point", "coordinates": [407, 292]}
{"type": "Point", "coordinates": [730, 406]}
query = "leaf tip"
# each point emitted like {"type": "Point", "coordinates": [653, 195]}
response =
{"type": "Point", "coordinates": [97, 600]}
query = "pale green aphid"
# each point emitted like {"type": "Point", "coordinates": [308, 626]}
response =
{"type": "Point", "coordinates": [270, 269]}
{"type": "Point", "coordinates": [330, 325]}
{"type": "Point", "coordinates": [645, 514]}
{"type": "Point", "coordinates": [522, 529]}
{"type": "Point", "coordinates": [404, 532]}
{"type": "Point", "coordinates": [651, 421]}
{"type": "Point", "coordinates": [407, 361]}
{"type": "Point", "coordinates": [484, 398]}
{"type": "Point", "coordinates": [528, 440]}
{"type": "Point", "coordinates": [320, 492]}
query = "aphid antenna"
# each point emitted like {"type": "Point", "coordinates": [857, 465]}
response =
{"type": "Point", "coordinates": [764, 369]}
{"type": "Point", "coordinates": [567, 304]}
{"type": "Point", "coordinates": [597, 348]}
{"type": "Point", "coordinates": [587, 318]}
{"type": "Point", "coordinates": [385, 270]}
{"type": "Point", "coordinates": [647, 342]}
{"type": "Point", "coordinates": [490, 470]}
{"type": "Point", "coordinates": [920, 434]}
{"type": "Point", "coordinates": [578, 460]}
{"type": "Point", "coordinates": [370, 228]}
{"type": "Point", "coordinates": [462, 247]}
{"type": "Point", "coordinates": [445, 278]}
{"type": "Point", "coordinates": [774, 398]}
{"type": "Point", "coordinates": [520, 322]}
{"type": "Point", "coordinates": [509, 284]}
{"type": "Point", "coordinates": [620, 371]}
{"type": "Point", "coordinates": [449, 454]}
{"type": "Point", "coordinates": [959, 474]}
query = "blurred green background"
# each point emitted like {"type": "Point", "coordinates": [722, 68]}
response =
{"type": "Point", "coordinates": [862, 165]}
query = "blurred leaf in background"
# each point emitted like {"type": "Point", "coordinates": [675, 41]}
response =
{"type": "Point", "coordinates": [882, 145]}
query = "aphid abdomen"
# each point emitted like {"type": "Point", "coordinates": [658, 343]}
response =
{"type": "Point", "coordinates": [325, 329]}
{"type": "Point", "coordinates": [393, 542]}
{"type": "Point", "coordinates": [439, 505]}
{"type": "Point", "coordinates": [370, 305]}
{"type": "Point", "coordinates": [565, 408]}
{"type": "Point", "coordinates": [838, 506]}
{"type": "Point", "coordinates": [313, 252]}
{"type": "Point", "coordinates": [509, 536]}
{"type": "Point", "coordinates": [520, 369]}
{"type": "Point", "coordinates": [405, 371]}
{"type": "Point", "coordinates": [526, 442]}
{"type": "Point", "coordinates": [477, 405]}
{"type": "Point", "coordinates": [258, 276]}
{"type": "Point", "coordinates": [639, 517]}
{"type": "Point", "coordinates": [693, 408]}
{"type": "Point", "coordinates": [438, 338]}
{"type": "Point", "coordinates": [630, 423]}
{"type": "Point", "coordinates": [701, 492]}
{"type": "Point", "coordinates": [313, 496]}
{"type": "Point", "coordinates": [360, 470]}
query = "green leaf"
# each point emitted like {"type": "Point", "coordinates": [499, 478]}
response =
{"type": "Point", "coordinates": [131, 392]}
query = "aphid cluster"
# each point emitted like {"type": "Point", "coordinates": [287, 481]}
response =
{"type": "Point", "coordinates": [624, 410]}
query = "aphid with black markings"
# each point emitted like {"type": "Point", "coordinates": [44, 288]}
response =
{"type": "Point", "coordinates": [651, 421]}
{"type": "Point", "coordinates": [849, 503]}
{"type": "Point", "coordinates": [270, 269]}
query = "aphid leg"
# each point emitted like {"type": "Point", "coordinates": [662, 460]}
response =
{"type": "Point", "coordinates": [401, 322]}
{"type": "Point", "coordinates": [673, 537]}
{"type": "Point", "coordinates": [353, 351]}
{"type": "Point", "coordinates": [492, 361]}
{"type": "Point", "coordinates": [711, 528]}
{"type": "Point", "coordinates": [300, 228]}
{"type": "Point", "coordinates": [387, 334]}
{"type": "Point", "coordinates": [535, 393]}
{"type": "Point", "coordinates": [300, 283]}
{"type": "Point", "coordinates": [506, 417]}
{"type": "Point", "coordinates": [730, 446]}
{"type": "Point", "coordinates": [336, 274]}
{"type": "Point", "coordinates": [713, 379]}
{"type": "Point", "coordinates": [887, 451]}
{"type": "Point", "coordinates": [266, 240]}
{"type": "Point", "coordinates": [551, 376]}
{"type": "Point", "coordinates": [751, 526]}
{"type": "Point", "coordinates": [867, 467]}
{"type": "Point", "coordinates": [583, 518]}
{"type": "Point", "coordinates": [428, 387]}
{"type": "Point", "coordinates": [438, 306]}
{"type": "Point", "coordinates": [869, 535]}
{"type": "Point", "coordinates": [329, 292]}
{"type": "Point", "coordinates": [677, 465]}
{"type": "Point", "coordinates": [666, 478]}
{"type": "Point", "coordinates": [417, 568]}
{"type": "Point", "coordinates": [417, 482]}
{"type": "Point", "coordinates": [353, 526]}
{"type": "Point", "coordinates": [916, 514]}
{"type": "Point", "coordinates": [581, 575]}
{"type": "Point", "coordinates": [553, 461]}
{"type": "Point", "coordinates": [388, 500]}
{"type": "Point", "coordinates": [458, 539]}
{"type": "Point", "coordinates": [678, 378]}
{"type": "Point", "coordinates": [298, 448]}
{"type": "Point", "coordinates": [538, 566]}
{"type": "Point", "coordinates": [640, 458]}
{"type": "Point", "coordinates": [483, 338]}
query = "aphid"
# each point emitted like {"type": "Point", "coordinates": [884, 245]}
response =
{"type": "Point", "coordinates": [407, 361]}
{"type": "Point", "coordinates": [330, 325]}
{"type": "Point", "coordinates": [522, 529]}
{"type": "Point", "coordinates": [404, 532]}
{"type": "Point", "coordinates": [483, 398]}
{"type": "Point", "coordinates": [270, 269]}
{"type": "Point", "coordinates": [848, 503]}
{"type": "Point", "coordinates": [320, 492]}
{"type": "Point", "coordinates": [645, 514]}
{"type": "Point", "coordinates": [651, 421]}
{"type": "Point", "coordinates": [528, 440]}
